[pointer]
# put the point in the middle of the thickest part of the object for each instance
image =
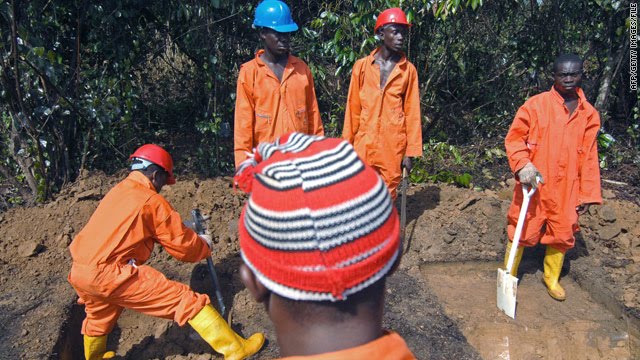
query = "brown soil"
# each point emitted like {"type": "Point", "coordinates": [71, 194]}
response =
{"type": "Point", "coordinates": [442, 299]}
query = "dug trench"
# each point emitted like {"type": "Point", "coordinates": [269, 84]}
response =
{"type": "Point", "coordinates": [441, 299]}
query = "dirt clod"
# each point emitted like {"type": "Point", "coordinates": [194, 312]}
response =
{"type": "Point", "coordinates": [607, 214]}
{"type": "Point", "coordinates": [29, 248]}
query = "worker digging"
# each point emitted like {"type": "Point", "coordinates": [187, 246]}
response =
{"type": "Point", "coordinates": [109, 254]}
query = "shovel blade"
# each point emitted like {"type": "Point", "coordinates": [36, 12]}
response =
{"type": "Point", "coordinates": [507, 290]}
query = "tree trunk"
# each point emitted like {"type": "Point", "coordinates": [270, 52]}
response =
{"type": "Point", "coordinates": [20, 153]}
{"type": "Point", "coordinates": [609, 73]}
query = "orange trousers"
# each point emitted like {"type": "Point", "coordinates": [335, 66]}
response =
{"type": "Point", "coordinates": [544, 226]}
{"type": "Point", "coordinates": [109, 289]}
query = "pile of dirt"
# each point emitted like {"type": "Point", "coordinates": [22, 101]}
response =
{"type": "Point", "coordinates": [446, 224]}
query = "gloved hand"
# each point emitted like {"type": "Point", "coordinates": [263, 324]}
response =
{"type": "Point", "coordinates": [208, 240]}
{"type": "Point", "coordinates": [407, 164]}
{"type": "Point", "coordinates": [528, 175]}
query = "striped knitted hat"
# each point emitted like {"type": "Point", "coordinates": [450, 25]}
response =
{"type": "Point", "coordinates": [319, 223]}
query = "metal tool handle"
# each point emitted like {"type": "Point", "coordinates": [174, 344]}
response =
{"type": "Point", "coordinates": [195, 214]}
{"type": "Point", "coordinates": [526, 196]}
{"type": "Point", "coordinates": [216, 284]}
{"type": "Point", "coordinates": [403, 210]}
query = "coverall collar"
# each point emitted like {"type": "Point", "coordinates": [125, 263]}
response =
{"type": "Point", "coordinates": [291, 61]}
{"type": "Point", "coordinates": [401, 62]}
{"type": "Point", "coordinates": [581, 98]}
{"type": "Point", "coordinates": [140, 178]}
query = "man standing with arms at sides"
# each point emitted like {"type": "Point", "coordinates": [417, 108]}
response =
{"type": "Point", "coordinates": [552, 143]}
{"type": "Point", "coordinates": [109, 254]}
{"type": "Point", "coordinates": [275, 91]}
{"type": "Point", "coordinates": [382, 117]}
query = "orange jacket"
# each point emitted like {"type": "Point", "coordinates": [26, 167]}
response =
{"type": "Point", "coordinates": [564, 149]}
{"type": "Point", "coordinates": [384, 125]}
{"type": "Point", "coordinates": [267, 108]}
{"type": "Point", "coordinates": [130, 219]}
{"type": "Point", "coordinates": [388, 347]}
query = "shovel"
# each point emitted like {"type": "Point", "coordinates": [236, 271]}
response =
{"type": "Point", "coordinates": [507, 284]}
{"type": "Point", "coordinates": [403, 210]}
{"type": "Point", "coordinates": [197, 224]}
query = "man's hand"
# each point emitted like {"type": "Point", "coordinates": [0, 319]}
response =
{"type": "Point", "coordinates": [529, 175]}
{"type": "Point", "coordinates": [582, 208]}
{"type": "Point", "coordinates": [208, 240]}
{"type": "Point", "coordinates": [407, 164]}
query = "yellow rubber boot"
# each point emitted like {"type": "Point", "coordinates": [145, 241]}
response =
{"type": "Point", "coordinates": [217, 333]}
{"type": "Point", "coordinates": [95, 348]}
{"type": "Point", "coordinates": [516, 261]}
{"type": "Point", "coordinates": [553, 260]}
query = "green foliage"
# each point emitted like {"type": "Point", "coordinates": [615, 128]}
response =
{"type": "Point", "coordinates": [442, 163]}
{"type": "Point", "coordinates": [84, 83]}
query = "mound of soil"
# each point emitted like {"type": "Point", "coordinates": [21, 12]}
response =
{"type": "Point", "coordinates": [39, 317]}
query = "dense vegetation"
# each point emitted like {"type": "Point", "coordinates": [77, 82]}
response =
{"type": "Point", "coordinates": [84, 83]}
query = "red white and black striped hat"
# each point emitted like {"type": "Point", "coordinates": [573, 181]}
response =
{"type": "Point", "coordinates": [319, 223]}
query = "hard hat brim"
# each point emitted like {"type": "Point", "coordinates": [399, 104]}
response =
{"type": "Point", "coordinates": [286, 28]}
{"type": "Point", "coordinates": [390, 23]}
{"type": "Point", "coordinates": [279, 28]}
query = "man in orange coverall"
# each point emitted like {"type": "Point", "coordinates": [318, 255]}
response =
{"type": "Point", "coordinates": [323, 285]}
{"type": "Point", "coordinates": [275, 93]}
{"type": "Point", "coordinates": [553, 138]}
{"type": "Point", "coordinates": [382, 118]}
{"type": "Point", "coordinates": [108, 256]}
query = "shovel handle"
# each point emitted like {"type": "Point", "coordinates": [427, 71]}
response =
{"type": "Point", "coordinates": [216, 285]}
{"type": "Point", "coordinates": [197, 224]}
{"type": "Point", "coordinates": [403, 212]}
{"type": "Point", "coordinates": [526, 196]}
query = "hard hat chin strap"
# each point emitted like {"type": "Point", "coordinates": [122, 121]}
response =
{"type": "Point", "coordinates": [140, 164]}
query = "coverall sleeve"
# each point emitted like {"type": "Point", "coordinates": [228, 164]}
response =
{"type": "Point", "coordinates": [516, 140]}
{"type": "Point", "coordinates": [177, 239]}
{"type": "Point", "coordinates": [315, 123]}
{"type": "Point", "coordinates": [244, 116]}
{"type": "Point", "coordinates": [412, 115]}
{"type": "Point", "coordinates": [354, 107]}
{"type": "Point", "coordinates": [590, 192]}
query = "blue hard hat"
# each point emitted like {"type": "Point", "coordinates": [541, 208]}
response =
{"type": "Point", "coordinates": [274, 14]}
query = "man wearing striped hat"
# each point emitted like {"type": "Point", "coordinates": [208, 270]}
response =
{"type": "Point", "coordinates": [318, 236]}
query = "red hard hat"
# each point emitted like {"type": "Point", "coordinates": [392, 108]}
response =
{"type": "Point", "coordinates": [158, 156]}
{"type": "Point", "coordinates": [391, 16]}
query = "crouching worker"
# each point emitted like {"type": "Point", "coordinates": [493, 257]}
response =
{"type": "Point", "coordinates": [108, 256]}
{"type": "Point", "coordinates": [318, 236]}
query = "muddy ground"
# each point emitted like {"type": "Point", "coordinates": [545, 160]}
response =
{"type": "Point", "coordinates": [442, 299]}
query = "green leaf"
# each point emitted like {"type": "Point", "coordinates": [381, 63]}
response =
{"type": "Point", "coordinates": [463, 180]}
{"type": "Point", "coordinates": [51, 56]}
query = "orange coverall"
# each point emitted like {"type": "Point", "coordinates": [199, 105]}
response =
{"type": "Point", "coordinates": [388, 347]}
{"type": "Point", "coordinates": [384, 124]}
{"type": "Point", "coordinates": [564, 149]}
{"type": "Point", "coordinates": [108, 253]}
{"type": "Point", "coordinates": [267, 108]}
